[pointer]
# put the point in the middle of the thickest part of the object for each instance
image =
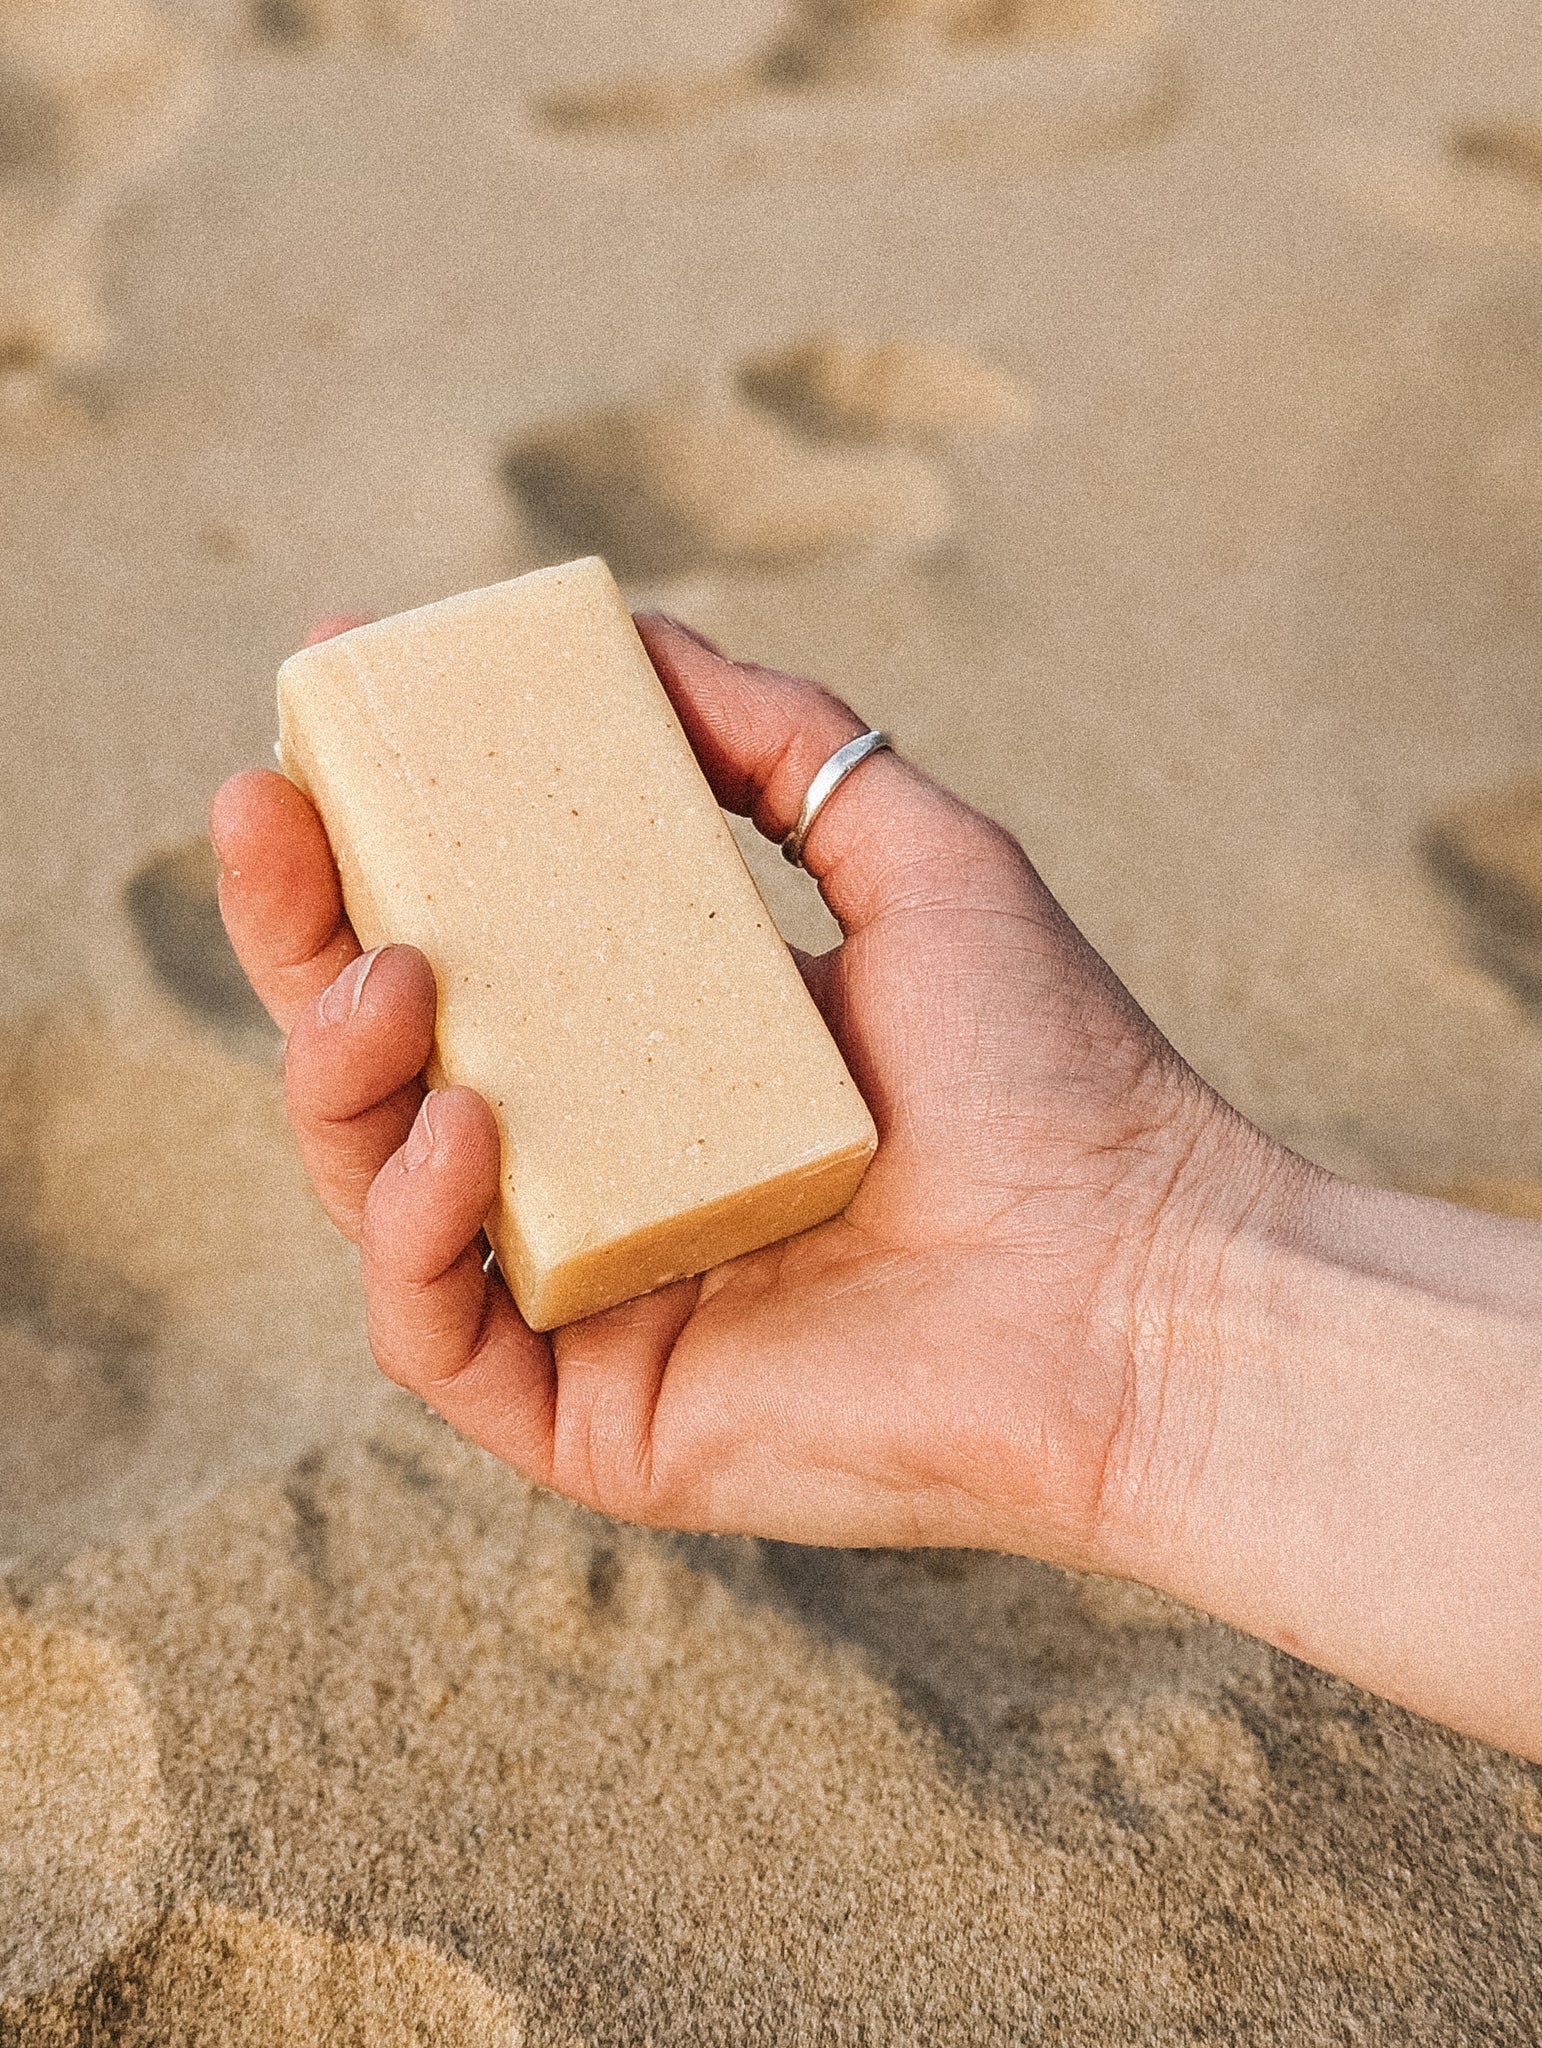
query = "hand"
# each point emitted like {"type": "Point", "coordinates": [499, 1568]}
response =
{"type": "Point", "coordinates": [1078, 1307]}
{"type": "Point", "coordinates": [965, 1356]}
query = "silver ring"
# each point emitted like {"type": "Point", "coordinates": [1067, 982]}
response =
{"type": "Point", "coordinates": [826, 783]}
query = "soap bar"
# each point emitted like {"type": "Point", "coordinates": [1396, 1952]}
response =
{"type": "Point", "coordinates": [506, 786]}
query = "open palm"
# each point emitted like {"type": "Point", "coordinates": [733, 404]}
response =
{"type": "Point", "coordinates": [952, 1360]}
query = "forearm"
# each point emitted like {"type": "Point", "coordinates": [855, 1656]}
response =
{"type": "Point", "coordinates": [1342, 1448]}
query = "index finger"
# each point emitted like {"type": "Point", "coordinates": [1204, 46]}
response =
{"type": "Point", "coordinates": [279, 893]}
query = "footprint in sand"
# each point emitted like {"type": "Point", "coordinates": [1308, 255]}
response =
{"type": "Point", "coordinates": [76, 1377]}
{"type": "Point", "coordinates": [785, 466]}
{"type": "Point", "coordinates": [1492, 181]}
{"type": "Point", "coordinates": [173, 902]}
{"type": "Point", "coordinates": [315, 23]}
{"type": "Point", "coordinates": [1495, 1194]}
{"type": "Point", "coordinates": [1479, 182]}
{"type": "Point", "coordinates": [90, 94]}
{"type": "Point", "coordinates": [1046, 75]}
{"type": "Point", "coordinates": [837, 388]}
{"type": "Point", "coordinates": [212, 1976]}
{"type": "Point", "coordinates": [841, 42]}
{"type": "Point", "coordinates": [174, 1311]}
{"type": "Point", "coordinates": [1511, 148]}
{"type": "Point", "coordinates": [83, 1824]}
{"type": "Point", "coordinates": [660, 488]}
{"type": "Point", "coordinates": [1490, 852]}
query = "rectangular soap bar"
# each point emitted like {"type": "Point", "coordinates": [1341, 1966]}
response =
{"type": "Point", "coordinates": [505, 785]}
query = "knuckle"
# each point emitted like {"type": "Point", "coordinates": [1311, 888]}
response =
{"type": "Point", "coordinates": [395, 1362]}
{"type": "Point", "coordinates": [576, 1467]}
{"type": "Point", "coordinates": [594, 1460]}
{"type": "Point", "coordinates": [296, 1079]}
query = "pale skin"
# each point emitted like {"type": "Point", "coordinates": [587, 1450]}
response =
{"type": "Point", "coordinates": [1079, 1309]}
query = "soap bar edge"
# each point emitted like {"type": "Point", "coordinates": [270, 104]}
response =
{"type": "Point", "coordinates": [842, 1166]}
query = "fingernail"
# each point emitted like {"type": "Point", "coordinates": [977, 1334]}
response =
{"type": "Point", "coordinates": [420, 1139]}
{"type": "Point", "coordinates": [691, 633]}
{"type": "Point", "coordinates": [340, 1002]}
{"type": "Point", "coordinates": [333, 624]}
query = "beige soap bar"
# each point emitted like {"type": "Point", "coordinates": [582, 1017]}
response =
{"type": "Point", "coordinates": [505, 785]}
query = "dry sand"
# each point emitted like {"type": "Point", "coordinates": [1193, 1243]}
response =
{"type": "Point", "coordinates": [1141, 415]}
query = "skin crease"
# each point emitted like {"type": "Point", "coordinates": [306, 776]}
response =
{"type": "Point", "coordinates": [1078, 1309]}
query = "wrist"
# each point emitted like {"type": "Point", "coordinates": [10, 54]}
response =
{"type": "Point", "coordinates": [1334, 1435]}
{"type": "Point", "coordinates": [1198, 1313]}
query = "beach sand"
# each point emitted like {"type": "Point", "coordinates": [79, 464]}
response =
{"type": "Point", "coordinates": [1139, 413]}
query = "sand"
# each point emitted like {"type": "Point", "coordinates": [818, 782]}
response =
{"type": "Point", "coordinates": [1140, 414]}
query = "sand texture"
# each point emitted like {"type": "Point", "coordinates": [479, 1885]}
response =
{"type": "Point", "coordinates": [1136, 410]}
